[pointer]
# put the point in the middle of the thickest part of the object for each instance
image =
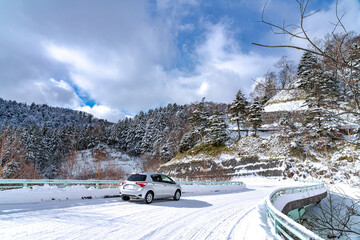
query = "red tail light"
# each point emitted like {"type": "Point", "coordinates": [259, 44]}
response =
{"type": "Point", "coordinates": [141, 184]}
{"type": "Point", "coordinates": [123, 183]}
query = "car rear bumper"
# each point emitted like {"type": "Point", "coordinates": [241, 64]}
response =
{"type": "Point", "coordinates": [132, 196]}
{"type": "Point", "coordinates": [132, 193]}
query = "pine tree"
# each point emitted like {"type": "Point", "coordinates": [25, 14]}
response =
{"type": "Point", "coordinates": [238, 110]}
{"type": "Point", "coordinates": [199, 119]}
{"type": "Point", "coordinates": [254, 115]}
{"type": "Point", "coordinates": [216, 132]}
{"type": "Point", "coordinates": [321, 90]}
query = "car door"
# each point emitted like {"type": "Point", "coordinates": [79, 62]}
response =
{"type": "Point", "coordinates": [169, 186]}
{"type": "Point", "coordinates": [159, 186]}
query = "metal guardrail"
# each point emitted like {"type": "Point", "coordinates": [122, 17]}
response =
{"type": "Point", "coordinates": [21, 183]}
{"type": "Point", "coordinates": [282, 223]}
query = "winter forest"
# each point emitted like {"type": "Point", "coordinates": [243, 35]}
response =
{"type": "Point", "coordinates": [38, 141]}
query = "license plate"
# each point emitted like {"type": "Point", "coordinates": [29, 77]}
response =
{"type": "Point", "coordinates": [130, 187]}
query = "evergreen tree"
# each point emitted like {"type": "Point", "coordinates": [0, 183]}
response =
{"type": "Point", "coordinates": [353, 73]}
{"type": "Point", "coordinates": [254, 115]}
{"type": "Point", "coordinates": [199, 119]}
{"type": "Point", "coordinates": [238, 110]}
{"type": "Point", "coordinates": [321, 90]}
{"type": "Point", "coordinates": [216, 132]}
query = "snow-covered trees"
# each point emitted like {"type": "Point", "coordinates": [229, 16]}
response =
{"type": "Point", "coordinates": [21, 114]}
{"type": "Point", "coordinates": [352, 72]}
{"type": "Point", "coordinates": [199, 118]}
{"type": "Point", "coordinates": [238, 110]}
{"type": "Point", "coordinates": [216, 132]}
{"type": "Point", "coordinates": [189, 140]}
{"type": "Point", "coordinates": [321, 90]}
{"type": "Point", "coordinates": [254, 115]}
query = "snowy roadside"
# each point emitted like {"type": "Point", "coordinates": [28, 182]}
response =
{"type": "Point", "coordinates": [204, 212]}
{"type": "Point", "coordinates": [52, 193]}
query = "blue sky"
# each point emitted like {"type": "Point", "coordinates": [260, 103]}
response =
{"type": "Point", "coordinates": [115, 58]}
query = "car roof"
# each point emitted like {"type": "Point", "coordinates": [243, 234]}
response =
{"type": "Point", "coordinates": [148, 173]}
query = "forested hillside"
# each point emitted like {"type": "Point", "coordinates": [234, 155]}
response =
{"type": "Point", "coordinates": [43, 138]}
{"type": "Point", "coordinates": [13, 114]}
{"type": "Point", "coordinates": [320, 135]}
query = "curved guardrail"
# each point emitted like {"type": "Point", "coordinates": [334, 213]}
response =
{"type": "Point", "coordinates": [283, 224]}
{"type": "Point", "coordinates": [20, 183]}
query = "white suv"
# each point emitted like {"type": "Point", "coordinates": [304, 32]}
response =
{"type": "Point", "coordinates": [149, 186]}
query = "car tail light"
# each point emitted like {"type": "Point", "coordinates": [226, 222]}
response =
{"type": "Point", "coordinates": [141, 184]}
{"type": "Point", "coordinates": [123, 183]}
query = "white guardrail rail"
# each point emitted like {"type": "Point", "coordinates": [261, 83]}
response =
{"type": "Point", "coordinates": [21, 183]}
{"type": "Point", "coordinates": [283, 224]}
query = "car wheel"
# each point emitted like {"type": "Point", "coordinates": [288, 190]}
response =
{"type": "Point", "coordinates": [125, 198]}
{"type": "Point", "coordinates": [149, 197]}
{"type": "Point", "coordinates": [177, 195]}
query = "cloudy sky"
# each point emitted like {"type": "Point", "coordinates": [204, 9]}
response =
{"type": "Point", "coordinates": [114, 58]}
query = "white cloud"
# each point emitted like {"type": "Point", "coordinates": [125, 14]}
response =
{"type": "Point", "coordinates": [61, 84]}
{"type": "Point", "coordinates": [323, 22]}
{"type": "Point", "coordinates": [203, 89]}
{"type": "Point", "coordinates": [222, 70]}
{"type": "Point", "coordinates": [51, 92]}
{"type": "Point", "coordinates": [103, 112]}
{"type": "Point", "coordinates": [123, 57]}
{"type": "Point", "coordinates": [187, 27]}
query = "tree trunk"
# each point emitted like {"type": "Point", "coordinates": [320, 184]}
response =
{"type": "Point", "coordinates": [238, 125]}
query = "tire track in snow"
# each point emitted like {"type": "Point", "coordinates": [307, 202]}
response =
{"type": "Point", "coordinates": [238, 222]}
{"type": "Point", "coordinates": [203, 224]}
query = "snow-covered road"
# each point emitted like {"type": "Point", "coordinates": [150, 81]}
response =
{"type": "Point", "coordinates": [232, 215]}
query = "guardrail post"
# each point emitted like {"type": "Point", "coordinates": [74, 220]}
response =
{"type": "Point", "coordinates": [25, 184]}
{"type": "Point", "coordinates": [97, 185]}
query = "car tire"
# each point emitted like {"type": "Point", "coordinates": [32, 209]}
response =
{"type": "Point", "coordinates": [177, 195]}
{"type": "Point", "coordinates": [125, 198]}
{"type": "Point", "coordinates": [149, 197]}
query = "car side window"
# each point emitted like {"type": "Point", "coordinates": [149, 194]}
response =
{"type": "Point", "coordinates": [166, 179]}
{"type": "Point", "coordinates": [156, 178]}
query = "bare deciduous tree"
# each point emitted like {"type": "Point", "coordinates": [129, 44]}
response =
{"type": "Point", "coordinates": [336, 55]}
{"type": "Point", "coordinates": [336, 216]}
{"type": "Point", "coordinates": [13, 163]}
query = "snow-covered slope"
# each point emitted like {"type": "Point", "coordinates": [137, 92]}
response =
{"type": "Point", "coordinates": [112, 164]}
{"type": "Point", "coordinates": [286, 100]}
{"type": "Point", "coordinates": [250, 156]}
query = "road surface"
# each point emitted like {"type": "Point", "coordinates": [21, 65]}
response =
{"type": "Point", "coordinates": [231, 215]}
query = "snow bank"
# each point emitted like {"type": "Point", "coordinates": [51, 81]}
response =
{"type": "Point", "coordinates": [52, 193]}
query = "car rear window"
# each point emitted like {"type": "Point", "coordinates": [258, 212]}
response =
{"type": "Point", "coordinates": [137, 177]}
